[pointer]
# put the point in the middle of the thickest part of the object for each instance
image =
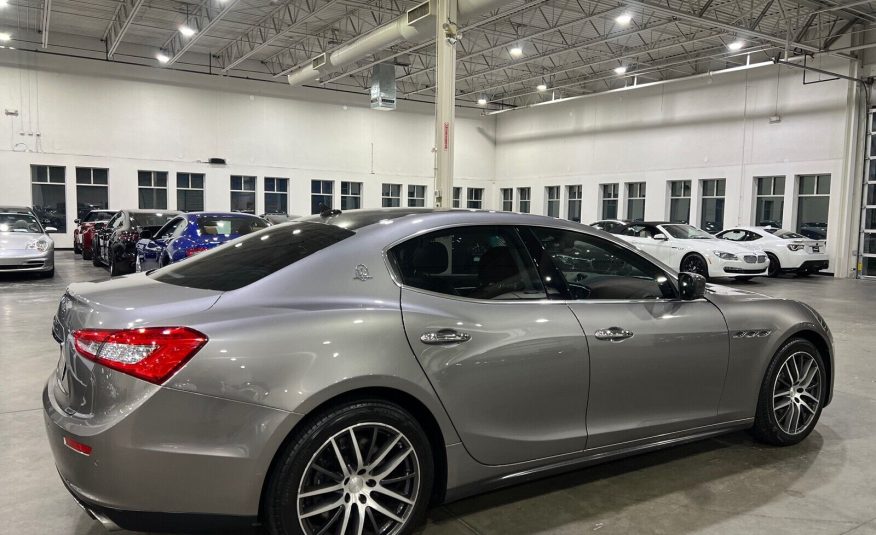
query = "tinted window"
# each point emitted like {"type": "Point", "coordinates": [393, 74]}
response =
{"type": "Point", "coordinates": [473, 262]}
{"type": "Point", "coordinates": [593, 268]}
{"type": "Point", "coordinates": [96, 216]}
{"type": "Point", "coordinates": [228, 226]}
{"type": "Point", "coordinates": [141, 219]}
{"type": "Point", "coordinates": [639, 231]}
{"type": "Point", "coordinates": [167, 231]}
{"type": "Point", "coordinates": [251, 258]}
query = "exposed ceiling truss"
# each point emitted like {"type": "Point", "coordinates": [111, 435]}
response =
{"type": "Point", "coordinates": [569, 47]}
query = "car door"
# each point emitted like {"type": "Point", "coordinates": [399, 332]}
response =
{"type": "Point", "coordinates": [657, 363]}
{"type": "Point", "coordinates": [509, 365]}
{"type": "Point", "coordinates": [106, 233]}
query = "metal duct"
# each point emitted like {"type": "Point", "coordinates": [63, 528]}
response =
{"type": "Point", "coordinates": [383, 87]}
{"type": "Point", "coordinates": [417, 23]}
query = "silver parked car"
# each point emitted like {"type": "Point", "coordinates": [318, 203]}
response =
{"type": "Point", "coordinates": [339, 374]}
{"type": "Point", "coordinates": [24, 244]}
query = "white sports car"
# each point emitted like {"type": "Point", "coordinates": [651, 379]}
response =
{"type": "Point", "coordinates": [690, 249]}
{"type": "Point", "coordinates": [788, 251]}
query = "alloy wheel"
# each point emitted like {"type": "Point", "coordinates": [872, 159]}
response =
{"type": "Point", "coordinates": [694, 264]}
{"type": "Point", "coordinates": [364, 480]}
{"type": "Point", "coordinates": [797, 393]}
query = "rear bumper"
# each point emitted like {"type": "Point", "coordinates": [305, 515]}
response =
{"type": "Point", "coordinates": [809, 265]}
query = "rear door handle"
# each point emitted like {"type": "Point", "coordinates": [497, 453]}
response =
{"type": "Point", "coordinates": [444, 336]}
{"type": "Point", "coordinates": [613, 334]}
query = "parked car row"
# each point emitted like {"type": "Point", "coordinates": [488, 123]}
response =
{"type": "Point", "coordinates": [138, 240]}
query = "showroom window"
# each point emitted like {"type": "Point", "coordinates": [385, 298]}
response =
{"type": "Point", "coordinates": [552, 201]}
{"type": "Point", "coordinates": [351, 195]}
{"type": "Point", "coordinates": [636, 201]}
{"type": "Point", "coordinates": [243, 195]}
{"type": "Point", "coordinates": [276, 195]}
{"type": "Point", "coordinates": [770, 201]}
{"type": "Point", "coordinates": [679, 201]}
{"type": "Point", "coordinates": [391, 194]}
{"type": "Point", "coordinates": [152, 190]}
{"type": "Point", "coordinates": [507, 199]}
{"type": "Point", "coordinates": [92, 190]}
{"type": "Point", "coordinates": [457, 193]}
{"type": "Point", "coordinates": [49, 195]}
{"type": "Point", "coordinates": [813, 203]}
{"type": "Point", "coordinates": [416, 196]}
{"type": "Point", "coordinates": [609, 194]}
{"type": "Point", "coordinates": [190, 192]}
{"type": "Point", "coordinates": [615, 272]}
{"type": "Point", "coordinates": [574, 204]}
{"type": "Point", "coordinates": [712, 210]}
{"type": "Point", "coordinates": [321, 193]}
{"type": "Point", "coordinates": [475, 198]}
{"type": "Point", "coordinates": [470, 262]}
{"type": "Point", "coordinates": [524, 196]}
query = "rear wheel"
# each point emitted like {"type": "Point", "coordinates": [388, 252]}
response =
{"type": "Point", "coordinates": [792, 394]}
{"type": "Point", "coordinates": [694, 263]}
{"type": "Point", "coordinates": [775, 267]}
{"type": "Point", "coordinates": [361, 468]}
{"type": "Point", "coordinates": [86, 252]}
{"type": "Point", "coordinates": [77, 249]}
{"type": "Point", "coordinates": [95, 254]}
{"type": "Point", "coordinates": [115, 267]}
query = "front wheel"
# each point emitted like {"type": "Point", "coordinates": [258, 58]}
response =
{"type": "Point", "coordinates": [694, 263]}
{"type": "Point", "coordinates": [775, 267]}
{"type": "Point", "coordinates": [365, 467]}
{"type": "Point", "coordinates": [792, 394]}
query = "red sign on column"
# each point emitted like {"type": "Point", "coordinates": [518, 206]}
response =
{"type": "Point", "coordinates": [446, 135]}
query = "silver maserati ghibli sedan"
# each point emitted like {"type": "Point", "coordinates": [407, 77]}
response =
{"type": "Point", "coordinates": [339, 374]}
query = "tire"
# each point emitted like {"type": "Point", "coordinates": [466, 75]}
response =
{"type": "Point", "coordinates": [775, 267]}
{"type": "Point", "coordinates": [695, 263]}
{"type": "Point", "coordinates": [48, 274]}
{"type": "Point", "coordinates": [95, 255]}
{"type": "Point", "coordinates": [776, 426]}
{"type": "Point", "coordinates": [115, 268]}
{"type": "Point", "coordinates": [86, 254]}
{"type": "Point", "coordinates": [374, 424]}
{"type": "Point", "coordinates": [77, 249]}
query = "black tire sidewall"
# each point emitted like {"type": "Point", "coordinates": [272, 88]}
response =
{"type": "Point", "coordinates": [774, 261]}
{"type": "Point", "coordinates": [766, 428]}
{"type": "Point", "coordinates": [699, 258]}
{"type": "Point", "coordinates": [280, 511]}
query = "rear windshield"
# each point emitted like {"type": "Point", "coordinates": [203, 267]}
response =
{"type": "Point", "coordinates": [252, 257]}
{"type": "Point", "coordinates": [209, 225]}
{"type": "Point", "coordinates": [97, 216]}
{"type": "Point", "coordinates": [785, 234]}
{"type": "Point", "coordinates": [151, 220]}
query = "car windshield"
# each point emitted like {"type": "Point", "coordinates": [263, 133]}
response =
{"type": "Point", "coordinates": [687, 232]}
{"type": "Point", "coordinates": [785, 234]}
{"type": "Point", "coordinates": [97, 216]}
{"type": "Point", "coordinates": [144, 219]}
{"type": "Point", "coordinates": [229, 225]}
{"type": "Point", "coordinates": [251, 258]}
{"type": "Point", "coordinates": [19, 223]}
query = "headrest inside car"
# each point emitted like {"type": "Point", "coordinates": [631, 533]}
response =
{"type": "Point", "coordinates": [430, 258]}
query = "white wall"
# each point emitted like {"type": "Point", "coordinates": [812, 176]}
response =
{"type": "Point", "coordinates": [127, 118]}
{"type": "Point", "coordinates": [710, 127]}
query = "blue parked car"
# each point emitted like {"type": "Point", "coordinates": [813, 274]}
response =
{"type": "Point", "coordinates": [189, 234]}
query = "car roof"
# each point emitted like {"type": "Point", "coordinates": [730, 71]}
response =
{"type": "Point", "coordinates": [651, 223]}
{"type": "Point", "coordinates": [15, 209]}
{"type": "Point", "coordinates": [360, 219]}
{"type": "Point", "coordinates": [221, 214]}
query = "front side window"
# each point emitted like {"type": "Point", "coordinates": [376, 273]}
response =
{"type": "Point", "coordinates": [152, 190]}
{"type": "Point", "coordinates": [586, 267]}
{"type": "Point", "coordinates": [475, 198]}
{"type": "Point", "coordinates": [609, 193]}
{"type": "Point", "coordinates": [321, 194]}
{"type": "Point", "coordinates": [712, 210]}
{"type": "Point", "coordinates": [552, 201]}
{"type": "Point", "coordinates": [636, 201]}
{"type": "Point", "coordinates": [276, 195]}
{"type": "Point", "coordinates": [472, 262]}
{"type": "Point", "coordinates": [92, 190]}
{"type": "Point", "coordinates": [416, 196]}
{"type": "Point", "coordinates": [49, 195]}
{"type": "Point", "coordinates": [679, 201]}
{"type": "Point", "coordinates": [243, 195]}
{"type": "Point", "coordinates": [770, 201]}
{"type": "Point", "coordinates": [391, 195]}
{"type": "Point", "coordinates": [813, 205]}
{"type": "Point", "coordinates": [507, 200]}
{"type": "Point", "coordinates": [523, 200]}
{"type": "Point", "coordinates": [351, 195]}
{"type": "Point", "coordinates": [574, 207]}
{"type": "Point", "coordinates": [190, 192]}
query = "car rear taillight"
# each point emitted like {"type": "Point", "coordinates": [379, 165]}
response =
{"type": "Point", "coordinates": [149, 353]}
{"type": "Point", "coordinates": [195, 250]}
{"type": "Point", "coordinates": [77, 446]}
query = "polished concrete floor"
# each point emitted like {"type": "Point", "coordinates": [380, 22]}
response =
{"type": "Point", "coordinates": [826, 485]}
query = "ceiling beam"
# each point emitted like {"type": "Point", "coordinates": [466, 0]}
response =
{"type": "Point", "coordinates": [209, 15]}
{"type": "Point", "coordinates": [115, 31]}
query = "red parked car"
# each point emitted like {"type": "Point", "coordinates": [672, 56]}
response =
{"type": "Point", "coordinates": [84, 231]}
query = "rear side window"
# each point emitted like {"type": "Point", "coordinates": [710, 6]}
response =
{"type": "Point", "coordinates": [251, 258]}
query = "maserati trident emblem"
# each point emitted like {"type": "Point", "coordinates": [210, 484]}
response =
{"type": "Point", "coordinates": [361, 273]}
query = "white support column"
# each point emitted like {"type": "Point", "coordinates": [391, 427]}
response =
{"type": "Point", "coordinates": [445, 100]}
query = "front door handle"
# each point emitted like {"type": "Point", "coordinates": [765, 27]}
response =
{"type": "Point", "coordinates": [444, 336]}
{"type": "Point", "coordinates": [613, 334]}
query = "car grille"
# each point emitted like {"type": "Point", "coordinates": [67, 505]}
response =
{"type": "Point", "coordinates": [752, 259]}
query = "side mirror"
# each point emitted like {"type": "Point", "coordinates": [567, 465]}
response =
{"type": "Point", "coordinates": [660, 237]}
{"type": "Point", "coordinates": [145, 234]}
{"type": "Point", "coordinates": [77, 221]}
{"type": "Point", "coordinates": [51, 229]}
{"type": "Point", "coordinates": [691, 285]}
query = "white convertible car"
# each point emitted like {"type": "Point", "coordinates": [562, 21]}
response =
{"type": "Point", "coordinates": [787, 251]}
{"type": "Point", "coordinates": [690, 249]}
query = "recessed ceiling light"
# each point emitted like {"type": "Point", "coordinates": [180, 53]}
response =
{"type": "Point", "coordinates": [623, 19]}
{"type": "Point", "coordinates": [516, 52]}
{"type": "Point", "coordinates": [4, 3]}
{"type": "Point", "coordinates": [187, 31]}
{"type": "Point", "coordinates": [482, 101]}
{"type": "Point", "coordinates": [736, 45]}
{"type": "Point", "coordinates": [162, 57]}
{"type": "Point", "coordinates": [541, 87]}
{"type": "Point", "coordinates": [620, 70]}
{"type": "Point", "coordinates": [5, 37]}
